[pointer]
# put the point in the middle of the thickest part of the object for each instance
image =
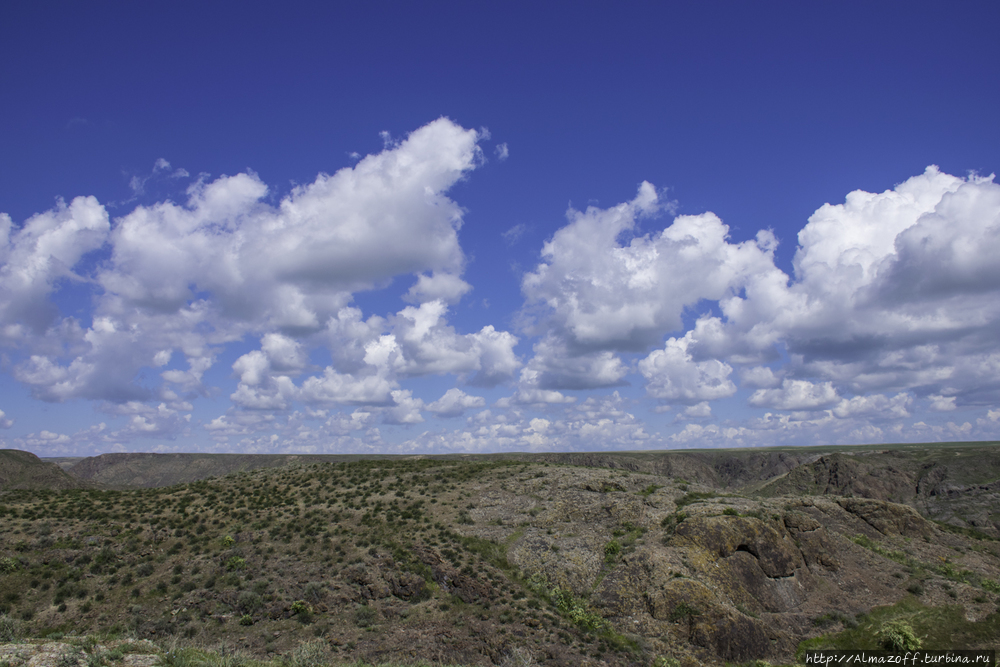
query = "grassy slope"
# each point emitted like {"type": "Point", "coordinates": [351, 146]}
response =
{"type": "Point", "coordinates": [24, 470]}
{"type": "Point", "coordinates": [250, 559]}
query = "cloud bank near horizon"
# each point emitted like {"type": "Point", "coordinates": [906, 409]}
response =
{"type": "Point", "coordinates": [889, 318]}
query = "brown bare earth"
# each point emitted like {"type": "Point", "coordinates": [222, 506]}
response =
{"type": "Point", "coordinates": [667, 558]}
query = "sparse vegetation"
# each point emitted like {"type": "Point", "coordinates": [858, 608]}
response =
{"type": "Point", "coordinates": [504, 554]}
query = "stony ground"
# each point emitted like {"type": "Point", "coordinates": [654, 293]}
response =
{"type": "Point", "coordinates": [62, 654]}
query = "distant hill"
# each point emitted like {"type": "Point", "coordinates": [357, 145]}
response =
{"type": "Point", "coordinates": [24, 470]}
{"type": "Point", "coordinates": [146, 471]}
{"type": "Point", "coordinates": [958, 483]}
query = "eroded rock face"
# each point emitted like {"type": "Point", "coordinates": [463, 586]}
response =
{"type": "Point", "coordinates": [773, 551]}
{"type": "Point", "coordinates": [726, 578]}
{"type": "Point", "coordinates": [812, 540]}
{"type": "Point", "coordinates": [888, 518]}
{"type": "Point", "coordinates": [701, 618]}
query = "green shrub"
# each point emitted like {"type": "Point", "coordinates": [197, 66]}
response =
{"type": "Point", "coordinates": [575, 610]}
{"type": "Point", "coordinates": [249, 601]}
{"type": "Point", "coordinates": [990, 585]}
{"type": "Point", "coordinates": [365, 616]}
{"type": "Point", "coordinates": [897, 635]}
{"type": "Point", "coordinates": [236, 563]}
{"type": "Point", "coordinates": [611, 551]}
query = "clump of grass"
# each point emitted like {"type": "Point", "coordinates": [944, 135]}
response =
{"type": "Point", "coordinates": [308, 654]}
{"type": "Point", "coordinates": [611, 551]}
{"type": "Point", "coordinates": [9, 628]}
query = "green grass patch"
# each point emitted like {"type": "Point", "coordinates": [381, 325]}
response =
{"type": "Point", "coordinates": [965, 531]}
{"type": "Point", "coordinates": [937, 628]}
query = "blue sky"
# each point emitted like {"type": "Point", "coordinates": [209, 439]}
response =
{"type": "Point", "coordinates": [366, 227]}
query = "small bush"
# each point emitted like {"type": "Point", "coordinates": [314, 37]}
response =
{"type": "Point", "coordinates": [8, 565]}
{"type": "Point", "coordinates": [611, 551]}
{"type": "Point", "coordinates": [9, 628]}
{"type": "Point", "coordinates": [575, 610]}
{"type": "Point", "coordinates": [365, 616]}
{"type": "Point", "coordinates": [302, 610]}
{"type": "Point", "coordinates": [236, 563]}
{"type": "Point", "coordinates": [249, 601]}
{"type": "Point", "coordinates": [897, 636]}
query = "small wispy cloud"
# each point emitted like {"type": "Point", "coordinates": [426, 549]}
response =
{"type": "Point", "coordinates": [161, 169]}
{"type": "Point", "coordinates": [512, 235]}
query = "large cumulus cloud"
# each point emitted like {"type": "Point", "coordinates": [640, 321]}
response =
{"type": "Point", "coordinates": [894, 292]}
{"type": "Point", "coordinates": [891, 291]}
{"type": "Point", "coordinates": [177, 282]}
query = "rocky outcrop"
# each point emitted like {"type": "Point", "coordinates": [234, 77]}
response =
{"type": "Point", "coordinates": [888, 518]}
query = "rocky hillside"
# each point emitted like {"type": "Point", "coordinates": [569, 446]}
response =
{"type": "Point", "coordinates": [592, 559]}
{"type": "Point", "coordinates": [957, 485]}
